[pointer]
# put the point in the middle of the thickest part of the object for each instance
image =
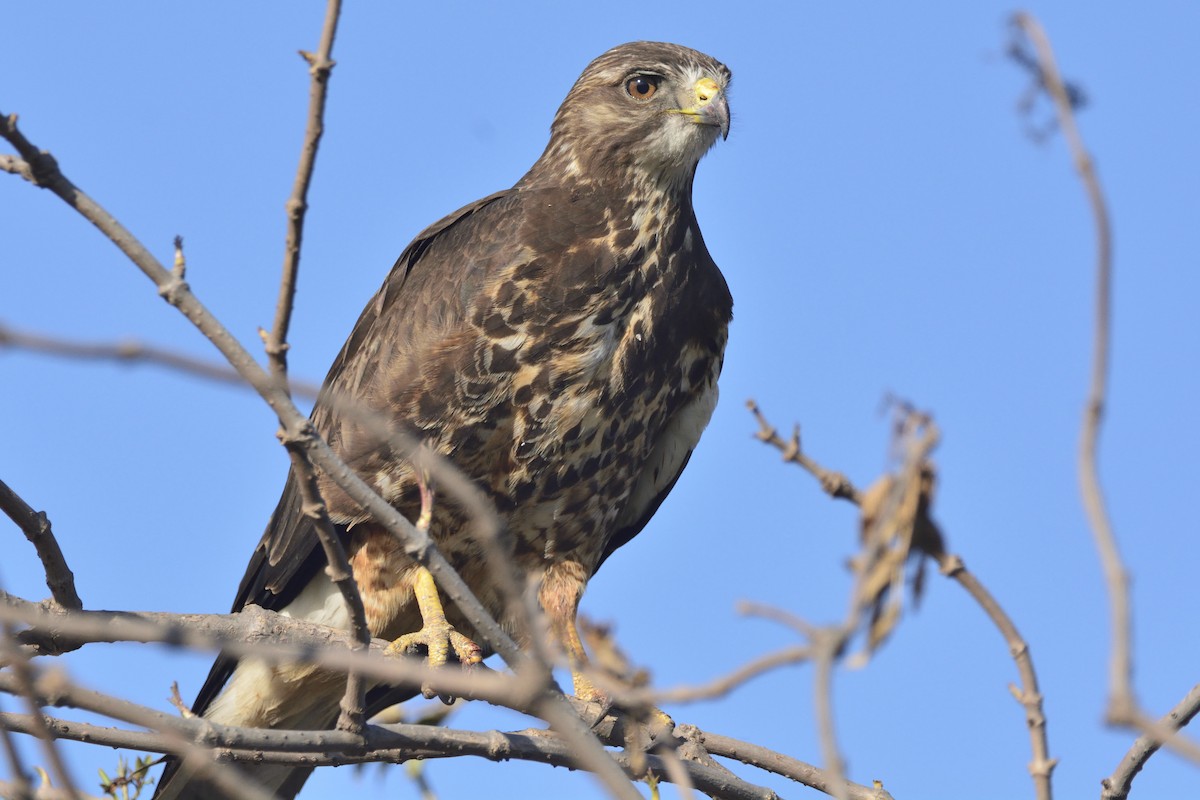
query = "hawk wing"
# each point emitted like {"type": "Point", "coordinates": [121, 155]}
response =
{"type": "Point", "coordinates": [289, 553]}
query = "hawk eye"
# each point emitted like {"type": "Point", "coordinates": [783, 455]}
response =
{"type": "Point", "coordinates": [642, 87]}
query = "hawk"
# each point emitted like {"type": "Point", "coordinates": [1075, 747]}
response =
{"type": "Point", "coordinates": [559, 342]}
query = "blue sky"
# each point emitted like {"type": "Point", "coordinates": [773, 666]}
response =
{"type": "Point", "coordinates": [884, 223]}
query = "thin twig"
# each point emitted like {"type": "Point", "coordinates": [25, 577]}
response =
{"type": "Point", "coordinates": [20, 788]}
{"type": "Point", "coordinates": [130, 351]}
{"type": "Point", "coordinates": [1028, 695]}
{"type": "Point", "coordinates": [834, 483]}
{"type": "Point", "coordinates": [721, 686]}
{"type": "Point", "coordinates": [46, 174]}
{"type": "Point", "coordinates": [23, 679]}
{"type": "Point", "coordinates": [807, 774]}
{"type": "Point", "coordinates": [341, 575]}
{"type": "Point", "coordinates": [952, 566]}
{"type": "Point", "coordinates": [36, 527]}
{"type": "Point", "coordinates": [826, 645]}
{"type": "Point", "coordinates": [1121, 699]}
{"type": "Point", "coordinates": [1117, 785]}
{"type": "Point", "coordinates": [312, 504]}
{"type": "Point", "coordinates": [320, 68]}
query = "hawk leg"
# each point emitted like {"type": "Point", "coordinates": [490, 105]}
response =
{"type": "Point", "coordinates": [562, 589]}
{"type": "Point", "coordinates": [437, 635]}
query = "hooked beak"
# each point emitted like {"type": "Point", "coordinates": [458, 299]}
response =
{"type": "Point", "coordinates": [709, 107]}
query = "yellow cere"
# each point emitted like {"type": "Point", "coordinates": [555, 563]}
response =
{"type": "Point", "coordinates": [706, 89]}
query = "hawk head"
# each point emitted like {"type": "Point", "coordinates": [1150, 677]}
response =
{"type": "Point", "coordinates": [647, 108]}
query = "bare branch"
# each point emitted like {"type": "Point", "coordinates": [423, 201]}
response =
{"type": "Point", "coordinates": [54, 689]}
{"type": "Point", "coordinates": [341, 575]}
{"type": "Point", "coordinates": [36, 527]}
{"type": "Point", "coordinates": [952, 566]}
{"type": "Point", "coordinates": [275, 639]}
{"type": "Point", "coordinates": [46, 174]}
{"type": "Point", "coordinates": [827, 644]}
{"type": "Point", "coordinates": [1117, 785]}
{"type": "Point", "coordinates": [835, 484]}
{"type": "Point", "coordinates": [21, 678]}
{"type": "Point", "coordinates": [379, 743]}
{"type": "Point", "coordinates": [20, 788]}
{"type": "Point", "coordinates": [1120, 691]}
{"type": "Point", "coordinates": [132, 352]}
{"type": "Point", "coordinates": [759, 756]}
{"type": "Point", "coordinates": [1029, 696]}
{"type": "Point", "coordinates": [719, 687]}
{"type": "Point", "coordinates": [265, 635]}
{"type": "Point", "coordinates": [320, 67]}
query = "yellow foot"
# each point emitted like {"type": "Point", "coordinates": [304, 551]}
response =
{"type": "Point", "coordinates": [437, 636]}
{"type": "Point", "coordinates": [657, 722]}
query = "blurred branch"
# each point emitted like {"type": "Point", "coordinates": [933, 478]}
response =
{"type": "Point", "coordinates": [759, 756]}
{"type": "Point", "coordinates": [21, 677]}
{"type": "Point", "coordinates": [20, 788]}
{"type": "Point", "coordinates": [928, 540]}
{"type": "Point", "coordinates": [36, 527]}
{"type": "Point", "coordinates": [1028, 695]}
{"type": "Point", "coordinates": [378, 743]}
{"type": "Point", "coordinates": [16, 166]}
{"type": "Point", "coordinates": [45, 173]}
{"type": "Point", "coordinates": [1117, 785]}
{"type": "Point", "coordinates": [1123, 707]}
{"type": "Point", "coordinates": [312, 505]}
{"type": "Point", "coordinates": [827, 645]}
{"type": "Point", "coordinates": [132, 352]}
{"type": "Point", "coordinates": [19, 791]}
{"type": "Point", "coordinates": [273, 638]}
{"type": "Point", "coordinates": [53, 688]}
{"type": "Point", "coordinates": [266, 635]}
{"type": "Point", "coordinates": [722, 686]}
{"type": "Point", "coordinates": [392, 743]}
{"type": "Point", "coordinates": [340, 573]}
{"type": "Point", "coordinates": [1121, 702]}
{"type": "Point", "coordinates": [835, 484]}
